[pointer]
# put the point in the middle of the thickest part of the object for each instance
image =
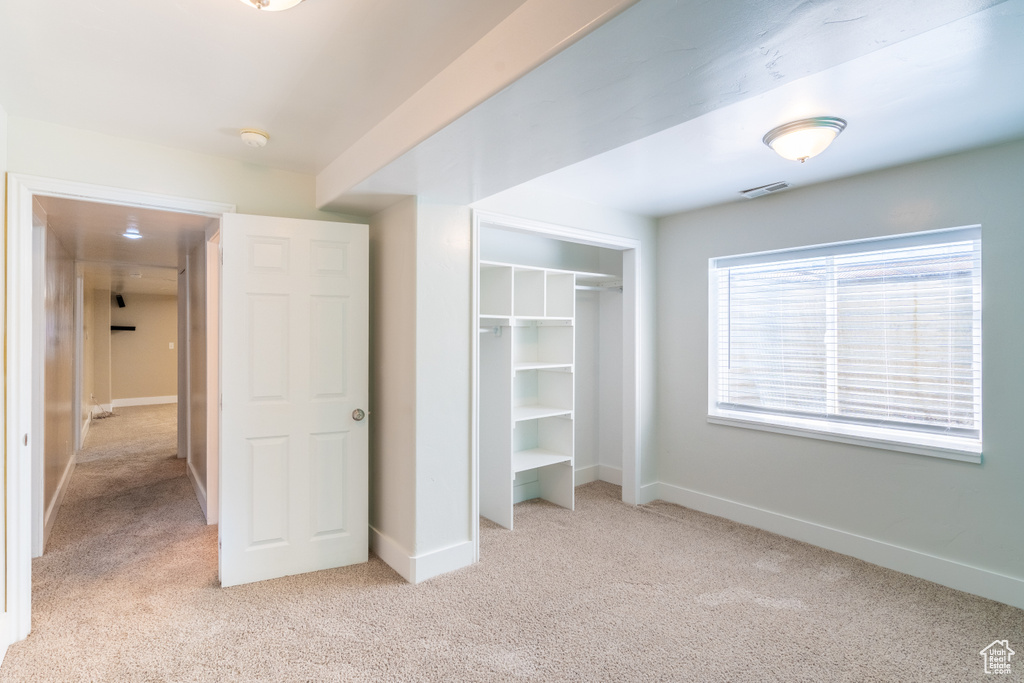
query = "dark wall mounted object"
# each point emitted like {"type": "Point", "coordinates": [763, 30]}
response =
{"type": "Point", "coordinates": [120, 301]}
{"type": "Point", "coordinates": [125, 328]}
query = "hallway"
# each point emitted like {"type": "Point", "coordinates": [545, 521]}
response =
{"type": "Point", "coordinates": [128, 538]}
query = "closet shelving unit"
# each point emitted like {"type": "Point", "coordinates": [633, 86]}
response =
{"type": "Point", "coordinates": [527, 353]}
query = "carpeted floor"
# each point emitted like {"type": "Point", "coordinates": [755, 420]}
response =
{"type": "Point", "coordinates": [128, 591]}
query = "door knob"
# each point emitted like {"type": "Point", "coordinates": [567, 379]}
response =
{"type": "Point", "coordinates": [358, 414]}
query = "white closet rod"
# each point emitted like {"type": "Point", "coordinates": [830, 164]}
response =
{"type": "Point", "coordinates": [599, 288]}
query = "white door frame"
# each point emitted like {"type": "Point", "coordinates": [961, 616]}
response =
{"type": "Point", "coordinates": [20, 396]}
{"type": "Point", "coordinates": [630, 248]}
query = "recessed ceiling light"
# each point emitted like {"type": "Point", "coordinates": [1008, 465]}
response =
{"type": "Point", "coordinates": [254, 137]}
{"type": "Point", "coordinates": [272, 5]}
{"type": "Point", "coordinates": [803, 139]}
{"type": "Point", "coordinates": [132, 233]}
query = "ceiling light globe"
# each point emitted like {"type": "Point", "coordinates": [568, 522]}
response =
{"type": "Point", "coordinates": [272, 5]}
{"type": "Point", "coordinates": [801, 140]}
{"type": "Point", "coordinates": [254, 137]}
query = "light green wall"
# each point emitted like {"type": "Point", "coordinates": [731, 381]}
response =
{"type": "Point", "coordinates": [53, 151]}
{"type": "Point", "coordinates": [965, 513]}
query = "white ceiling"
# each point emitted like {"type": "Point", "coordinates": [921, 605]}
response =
{"type": "Point", "coordinates": [660, 109]}
{"type": "Point", "coordinates": [946, 90]}
{"type": "Point", "coordinates": [191, 73]}
{"type": "Point", "coordinates": [663, 108]}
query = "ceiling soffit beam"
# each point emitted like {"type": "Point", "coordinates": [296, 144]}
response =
{"type": "Point", "coordinates": [655, 66]}
{"type": "Point", "coordinates": [531, 35]}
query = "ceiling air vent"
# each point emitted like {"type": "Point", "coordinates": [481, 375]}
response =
{"type": "Point", "coordinates": [755, 192]}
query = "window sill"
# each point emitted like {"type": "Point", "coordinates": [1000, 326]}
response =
{"type": "Point", "coordinates": [937, 446]}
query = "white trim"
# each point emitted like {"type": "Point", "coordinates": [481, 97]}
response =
{"type": "Point", "coordinates": [144, 401]}
{"type": "Point", "coordinates": [85, 429]}
{"type": "Point", "coordinates": [393, 554]}
{"type": "Point", "coordinates": [20, 399]}
{"type": "Point", "coordinates": [474, 389]}
{"type": "Point", "coordinates": [58, 500]}
{"type": "Point", "coordinates": [649, 493]}
{"type": "Point", "coordinates": [595, 239]}
{"type": "Point", "coordinates": [612, 475]}
{"type": "Point", "coordinates": [213, 287]}
{"type": "Point", "coordinates": [437, 562]}
{"type": "Point", "coordinates": [200, 491]}
{"type": "Point", "coordinates": [866, 245]}
{"type": "Point", "coordinates": [987, 584]}
{"type": "Point", "coordinates": [585, 475]}
{"type": "Point", "coordinates": [39, 238]}
{"type": "Point", "coordinates": [419, 568]}
{"type": "Point", "coordinates": [607, 473]}
{"type": "Point", "coordinates": [939, 447]}
{"type": "Point", "coordinates": [101, 408]}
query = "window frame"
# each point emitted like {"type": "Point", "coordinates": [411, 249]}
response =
{"type": "Point", "coordinates": [961, 448]}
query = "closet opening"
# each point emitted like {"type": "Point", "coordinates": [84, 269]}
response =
{"type": "Point", "coordinates": [555, 363]}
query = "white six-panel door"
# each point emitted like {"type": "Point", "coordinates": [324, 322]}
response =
{"type": "Point", "coordinates": [294, 363]}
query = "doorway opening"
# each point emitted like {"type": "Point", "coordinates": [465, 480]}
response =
{"type": "Point", "coordinates": [109, 282]}
{"type": "Point", "coordinates": [555, 364]}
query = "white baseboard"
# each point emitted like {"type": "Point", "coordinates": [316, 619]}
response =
{"type": "Point", "coordinates": [144, 401]}
{"type": "Point", "coordinates": [585, 475]}
{"type": "Point", "coordinates": [612, 475]}
{"type": "Point", "coordinates": [419, 568]}
{"type": "Point", "coordinates": [998, 587]}
{"type": "Point", "coordinates": [651, 492]}
{"type": "Point", "coordinates": [101, 408]}
{"type": "Point", "coordinates": [85, 429]}
{"type": "Point", "coordinates": [199, 488]}
{"type": "Point", "coordinates": [527, 491]}
{"type": "Point", "coordinates": [58, 498]}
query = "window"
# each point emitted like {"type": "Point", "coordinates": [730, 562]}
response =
{"type": "Point", "coordinates": [874, 341]}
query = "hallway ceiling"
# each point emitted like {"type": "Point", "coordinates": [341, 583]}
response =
{"type": "Point", "coordinates": [93, 233]}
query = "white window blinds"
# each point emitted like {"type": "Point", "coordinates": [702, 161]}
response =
{"type": "Point", "coordinates": [883, 332]}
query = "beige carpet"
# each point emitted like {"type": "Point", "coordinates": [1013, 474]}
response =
{"type": "Point", "coordinates": [127, 591]}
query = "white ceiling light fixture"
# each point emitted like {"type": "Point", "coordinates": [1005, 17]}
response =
{"type": "Point", "coordinates": [254, 137]}
{"type": "Point", "coordinates": [803, 139]}
{"type": "Point", "coordinates": [272, 5]}
{"type": "Point", "coordinates": [132, 233]}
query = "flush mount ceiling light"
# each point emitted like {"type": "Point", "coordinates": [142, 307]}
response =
{"type": "Point", "coordinates": [272, 5]}
{"type": "Point", "coordinates": [132, 233]}
{"type": "Point", "coordinates": [803, 139]}
{"type": "Point", "coordinates": [254, 137]}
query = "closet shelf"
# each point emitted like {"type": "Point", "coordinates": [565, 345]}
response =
{"type": "Point", "coordinates": [537, 457]}
{"type": "Point", "coordinates": [491, 320]}
{"type": "Point", "coordinates": [564, 367]}
{"type": "Point", "coordinates": [521, 413]}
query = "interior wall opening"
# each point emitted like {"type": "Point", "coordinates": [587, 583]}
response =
{"type": "Point", "coordinates": [555, 381]}
{"type": "Point", "coordinates": [114, 340]}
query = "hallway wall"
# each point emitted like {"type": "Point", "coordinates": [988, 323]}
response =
{"type": "Point", "coordinates": [88, 318]}
{"type": "Point", "coordinates": [142, 363]}
{"type": "Point", "coordinates": [58, 373]}
{"type": "Point", "coordinates": [196, 326]}
{"type": "Point", "coordinates": [100, 394]}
